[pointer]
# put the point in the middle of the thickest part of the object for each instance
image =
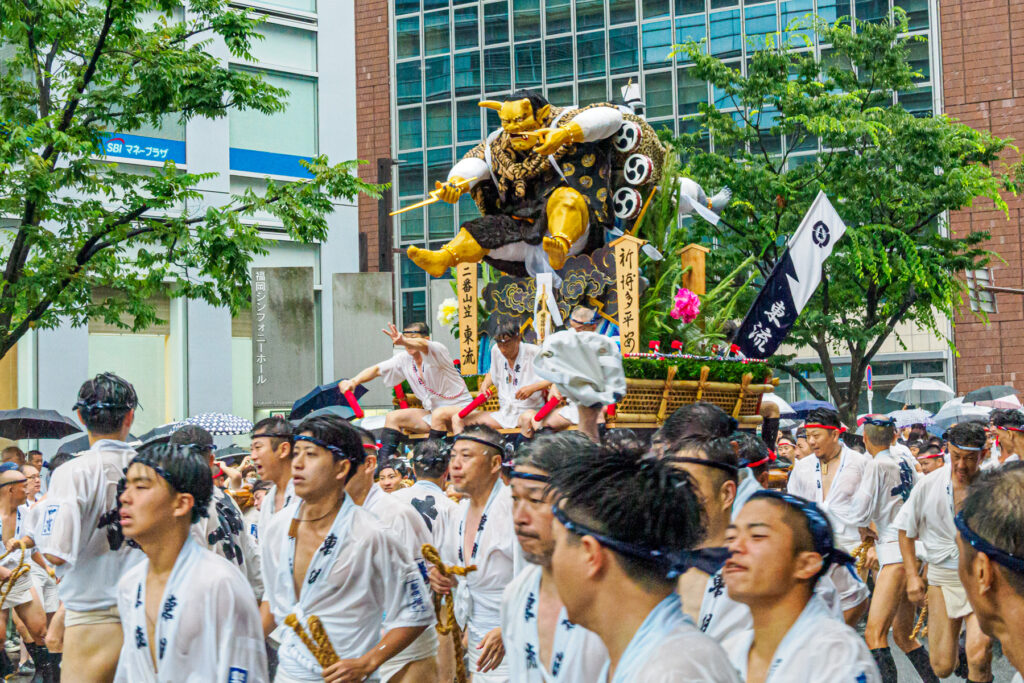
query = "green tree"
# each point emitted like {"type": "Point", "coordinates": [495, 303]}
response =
{"type": "Point", "coordinates": [891, 175]}
{"type": "Point", "coordinates": [73, 70]}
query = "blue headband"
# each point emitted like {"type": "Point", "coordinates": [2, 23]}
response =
{"type": "Point", "coordinates": [821, 531]}
{"type": "Point", "coordinates": [97, 405]}
{"type": "Point", "coordinates": [480, 440]}
{"type": "Point", "coordinates": [881, 421]}
{"type": "Point", "coordinates": [1008, 560]}
{"type": "Point", "coordinates": [516, 474]}
{"type": "Point", "coordinates": [974, 449]}
{"type": "Point", "coordinates": [337, 452]}
{"type": "Point", "coordinates": [173, 481]}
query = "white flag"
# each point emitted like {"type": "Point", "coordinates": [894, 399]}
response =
{"type": "Point", "coordinates": [810, 245]}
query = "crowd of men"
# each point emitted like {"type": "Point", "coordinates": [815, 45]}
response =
{"type": "Point", "coordinates": [609, 557]}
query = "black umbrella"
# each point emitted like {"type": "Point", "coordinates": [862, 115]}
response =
{"type": "Point", "coordinates": [231, 454]}
{"type": "Point", "coordinates": [344, 412]}
{"type": "Point", "coordinates": [989, 393]}
{"type": "Point", "coordinates": [161, 432]}
{"type": "Point", "coordinates": [33, 423]}
{"type": "Point", "coordinates": [78, 444]}
{"type": "Point", "coordinates": [321, 397]}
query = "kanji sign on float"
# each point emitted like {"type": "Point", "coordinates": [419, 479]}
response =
{"type": "Point", "coordinates": [792, 281]}
{"type": "Point", "coordinates": [469, 341]}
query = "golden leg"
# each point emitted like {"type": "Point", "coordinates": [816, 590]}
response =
{"type": "Point", "coordinates": [462, 249]}
{"type": "Point", "coordinates": [568, 218]}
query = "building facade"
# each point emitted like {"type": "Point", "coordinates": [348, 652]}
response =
{"type": "Point", "coordinates": [201, 359]}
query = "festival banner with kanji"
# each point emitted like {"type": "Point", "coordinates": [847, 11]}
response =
{"type": "Point", "coordinates": [468, 340]}
{"type": "Point", "coordinates": [792, 282]}
{"type": "Point", "coordinates": [627, 285]}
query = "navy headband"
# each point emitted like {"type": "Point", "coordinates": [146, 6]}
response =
{"type": "Point", "coordinates": [732, 469]}
{"type": "Point", "coordinates": [1008, 560]}
{"type": "Point", "coordinates": [973, 449]}
{"type": "Point", "coordinates": [517, 474]}
{"type": "Point", "coordinates": [174, 482]}
{"type": "Point", "coordinates": [880, 421]}
{"type": "Point", "coordinates": [337, 452]}
{"type": "Point", "coordinates": [477, 439]}
{"type": "Point", "coordinates": [821, 530]}
{"type": "Point", "coordinates": [97, 405]}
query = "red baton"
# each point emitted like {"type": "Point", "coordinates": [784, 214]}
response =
{"type": "Point", "coordinates": [400, 393]}
{"type": "Point", "coordinates": [546, 409]}
{"type": "Point", "coordinates": [609, 410]}
{"type": "Point", "coordinates": [480, 399]}
{"type": "Point", "coordinates": [354, 404]}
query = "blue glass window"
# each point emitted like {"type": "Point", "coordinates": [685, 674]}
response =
{"type": "Point", "coordinates": [439, 162]}
{"type": "Point", "coordinates": [655, 9]}
{"type": "Point", "coordinates": [408, 87]}
{"type": "Point", "coordinates": [692, 92]}
{"type": "Point", "coordinates": [561, 96]}
{"type": "Point", "coordinates": [872, 10]}
{"type": "Point", "coordinates": [439, 124]}
{"type": "Point", "coordinates": [796, 22]}
{"type": "Point", "coordinates": [623, 44]}
{"type": "Point", "coordinates": [589, 14]}
{"type": "Point", "coordinates": [918, 59]}
{"type": "Point", "coordinates": [414, 304]}
{"type": "Point", "coordinates": [528, 65]}
{"type": "Point", "coordinates": [438, 78]}
{"type": "Point", "coordinates": [406, 6]}
{"type": "Point", "coordinates": [407, 37]}
{"type": "Point", "coordinates": [467, 73]}
{"type": "Point", "coordinates": [468, 121]}
{"type": "Point", "coordinates": [559, 55]}
{"type": "Point", "coordinates": [621, 11]}
{"type": "Point", "coordinates": [592, 91]}
{"type": "Point", "coordinates": [434, 4]}
{"type": "Point", "coordinates": [497, 69]}
{"type": "Point", "coordinates": [687, 29]}
{"type": "Point", "coordinates": [496, 23]}
{"type": "Point", "coordinates": [441, 220]}
{"type": "Point", "coordinates": [410, 174]}
{"type": "Point", "coordinates": [725, 34]}
{"type": "Point", "coordinates": [689, 7]}
{"type": "Point", "coordinates": [527, 19]}
{"type": "Point", "coordinates": [918, 102]}
{"type": "Point", "coordinates": [658, 94]}
{"type": "Point", "coordinates": [657, 44]}
{"type": "Point", "coordinates": [410, 133]}
{"type": "Point", "coordinates": [917, 13]}
{"type": "Point", "coordinates": [590, 53]}
{"type": "Point", "coordinates": [435, 33]}
{"type": "Point", "coordinates": [558, 18]}
{"type": "Point", "coordinates": [721, 4]}
{"type": "Point", "coordinates": [466, 29]}
{"type": "Point", "coordinates": [760, 21]}
{"type": "Point", "coordinates": [831, 10]}
{"type": "Point", "coordinates": [411, 225]}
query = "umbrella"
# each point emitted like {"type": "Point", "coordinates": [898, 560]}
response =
{"type": "Point", "coordinates": [785, 410]}
{"type": "Point", "coordinates": [343, 412]}
{"type": "Point", "coordinates": [321, 397]}
{"type": "Point", "coordinates": [914, 416]}
{"type": "Point", "coordinates": [962, 412]}
{"type": "Point", "coordinates": [161, 432]}
{"type": "Point", "coordinates": [918, 390]}
{"type": "Point", "coordinates": [33, 423]}
{"type": "Point", "coordinates": [77, 444]}
{"type": "Point", "coordinates": [231, 454]}
{"type": "Point", "coordinates": [802, 408]}
{"type": "Point", "coordinates": [219, 423]}
{"type": "Point", "coordinates": [990, 393]}
{"type": "Point", "coordinates": [1006, 403]}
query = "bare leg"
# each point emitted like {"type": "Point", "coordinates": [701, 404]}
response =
{"type": "Point", "coordinates": [588, 422]}
{"type": "Point", "coordinates": [480, 417]}
{"type": "Point", "coordinates": [903, 625]}
{"type": "Point", "coordinates": [414, 672]}
{"type": "Point", "coordinates": [55, 632]}
{"type": "Point", "coordinates": [445, 659]}
{"type": "Point", "coordinates": [885, 601]}
{"type": "Point", "coordinates": [91, 651]}
{"type": "Point", "coordinates": [525, 424]}
{"type": "Point", "coordinates": [555, 422]}
{"type": "Point", "coordinates": [853, 615]}
{"type": "Point", "coordinates": [407, 419]}
{"type": "Point", "coordinates": [441, 418]}
{"type": "Point", "coordinates": [943, 634]}
{"type": "Point", "coordinates": [979, 651]}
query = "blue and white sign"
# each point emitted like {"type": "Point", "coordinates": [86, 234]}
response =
{"type": "Point", "coordinates": [128, 146]}
{"type": "Point", "coordinates": [270, 163]}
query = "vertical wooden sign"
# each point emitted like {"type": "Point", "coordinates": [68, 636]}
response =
{"type": "Point", "coordinates": [692, 257]}
{"type": "Point", "coordinates": [627, 288]}
{"type": "Point", "coordinates": [469, 341]}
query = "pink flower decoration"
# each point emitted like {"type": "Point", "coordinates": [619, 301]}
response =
{"type": "Point", "coordinates": [686, 307]}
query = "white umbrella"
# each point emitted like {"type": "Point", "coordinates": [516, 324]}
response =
{"type": "Point", "coordinates": [1007, 402]}
{"type": "Point", "coordinates": [962, 412]}
{"type": "Point", "coordinates": [784, 408]}
{"type": "Point", "coordinates": [914, 416]}
{"type": "Point", "coordinates": [918, 390]}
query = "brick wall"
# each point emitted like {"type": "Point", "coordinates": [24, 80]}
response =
{"type": "Point", "coordinates": [373, 108]}
{"type": "Point", "coordinates": [983, 85]}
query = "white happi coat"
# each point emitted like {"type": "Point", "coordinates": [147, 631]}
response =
{"type": "Point", "coordinates": [577, 656]}
{"type": "Point", "coordinates": [805, 481]}
{"type": "Point", "coordinates": [668, 648]}
{"type": "Point", "coordinates": [928, 516]}
{"type": "Point", "coordinates": [436, 384]}
{"type": "Point", "coordinates": [359, 574]}
{"type": "Point", "coordinates": [223, 531]}
{"type": "Point", "coordinates": [746, 487]}
{"type": "Point", "coordinates": [818, 647]}
{"type": "Point", "coordinates": [267, 511]}
{"type": "Point", "coordinates": [435, 508]}
{"type": "Point", "coordinates": [80, 525]}
{"type": "Point", "coordinates": [509, 378]}
{"type": "Point", "coordinates": [209, 629]}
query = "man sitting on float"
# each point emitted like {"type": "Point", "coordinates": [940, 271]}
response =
{"type": "Point", "coordinates": [543, 183]}
{"type": "Point", "coordinates": [436, 382]}
{"type": "Point", "coordinates": [520, 391]}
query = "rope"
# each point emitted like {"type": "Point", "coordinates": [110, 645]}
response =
{"type": "Point", "coordinates": [19, 571]}
{"type": "Point", "coordinates": [446, 603]}
{"type": "Point", "coordinates": [861, 554]}
{"type": "Point", "coordinates": [920, 628]}
{"type": "Point", "coordinates": [318, 643]}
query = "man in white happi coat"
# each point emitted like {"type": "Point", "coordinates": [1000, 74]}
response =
{"type": "Point", "coordinates": [1009, 428]}
{"type": "Point", "coordinates": [625, 526]}
{"type": "Point", "coordinates": [520, 390]}
{"type": "Point", "coordinates": [187, 613]}
{"type": "Point", "coordinates": [992, 557]}
{"type": "Point", "coordinates": [328, 557]}
{"type": "Point", "coordinates": [433, 377]}
{"type": "Point", "coordinates": [418, 661]}
{"type": "Point", "coordinates": [830, 478]}
{"type": "Point", "coordinates": [482, 535]}
{"type": "Point", "coordinates": [928, 516]}
{"type": "Point", "coordinates": [884, 487]}
{"type": "Point", "coordinates": [542, 645]}
{"type": "Point", "coordinates": [780, 546]}
{"type": "Point", "coordinates": [80, 534]}
{"type": "Point", "coordinates": [271, 448]}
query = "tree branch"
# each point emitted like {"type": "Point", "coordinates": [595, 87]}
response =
{"type": "Point", "coordinates": [795, 374]}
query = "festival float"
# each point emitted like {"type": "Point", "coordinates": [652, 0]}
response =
{"type": "Point", "coordinates": [582, 207]}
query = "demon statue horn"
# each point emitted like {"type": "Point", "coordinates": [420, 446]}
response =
{"type": "Point", "coordinates": [544, 183]}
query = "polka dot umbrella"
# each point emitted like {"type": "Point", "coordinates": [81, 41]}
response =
{"type": "Point", "coordinates": [219, 423]}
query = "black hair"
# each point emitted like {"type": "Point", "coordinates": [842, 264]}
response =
{"type": "Point", "coordinates": [488, 433]}
{"type": "Point", "coordinates": [104, 401]}
{"type": "Point", "coordinates": [752, 449]}
{"type": "Point", "coordinates": [12, 453]}
{"type": "Point", "coordinates": [548, 452]}
{"type": "Point", "coordinates": [337, 432]}
{"type": "Point", "coordinates": [929, 449]}
{"type": "Point", "coordinates": [430, 458]}
{"type": "Point", "coordinates": [918, 431]}
{"type": "Point", "coordinates": [184, 467]}
{"type": "Point", "coordinates": [1007, 418]}
{"type": "Point", "coordinates": [702, 421]}
{"type": "Point", "coordinates": [395, 463]}
{"type": "Point", "coordinates": [59, 459]}
{"type": "Point", "coordinates": [824, 416]}
{"type": "Point", "coordinates": [506, 327]}
{"type": "Point", "coordinates": [34, 451]}
{"type": "Point", "coordinates": [994, 510]}
{"type": "Point", "coordinates": [537, 101]}
{"type": "Point", "coordinates": [192, 435]}
{"type": "Point", "coordinates": [916, 443]}
{"type": "Point", "coordinates": [365, 434]}
{"type": "Point", "coordinates": [418, 327]}
{"type": "Point", "coordinates": [719, 450]}
{"type": "Point", "coordinates": [633, 498]}
{"type": "Point", "coordinates": [969, 434]}
{"type": "Point", "coordinates": [277, 428]}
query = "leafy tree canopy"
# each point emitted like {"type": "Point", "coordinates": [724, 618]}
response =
{"type": "Point", "coordinates": [74, 70]}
